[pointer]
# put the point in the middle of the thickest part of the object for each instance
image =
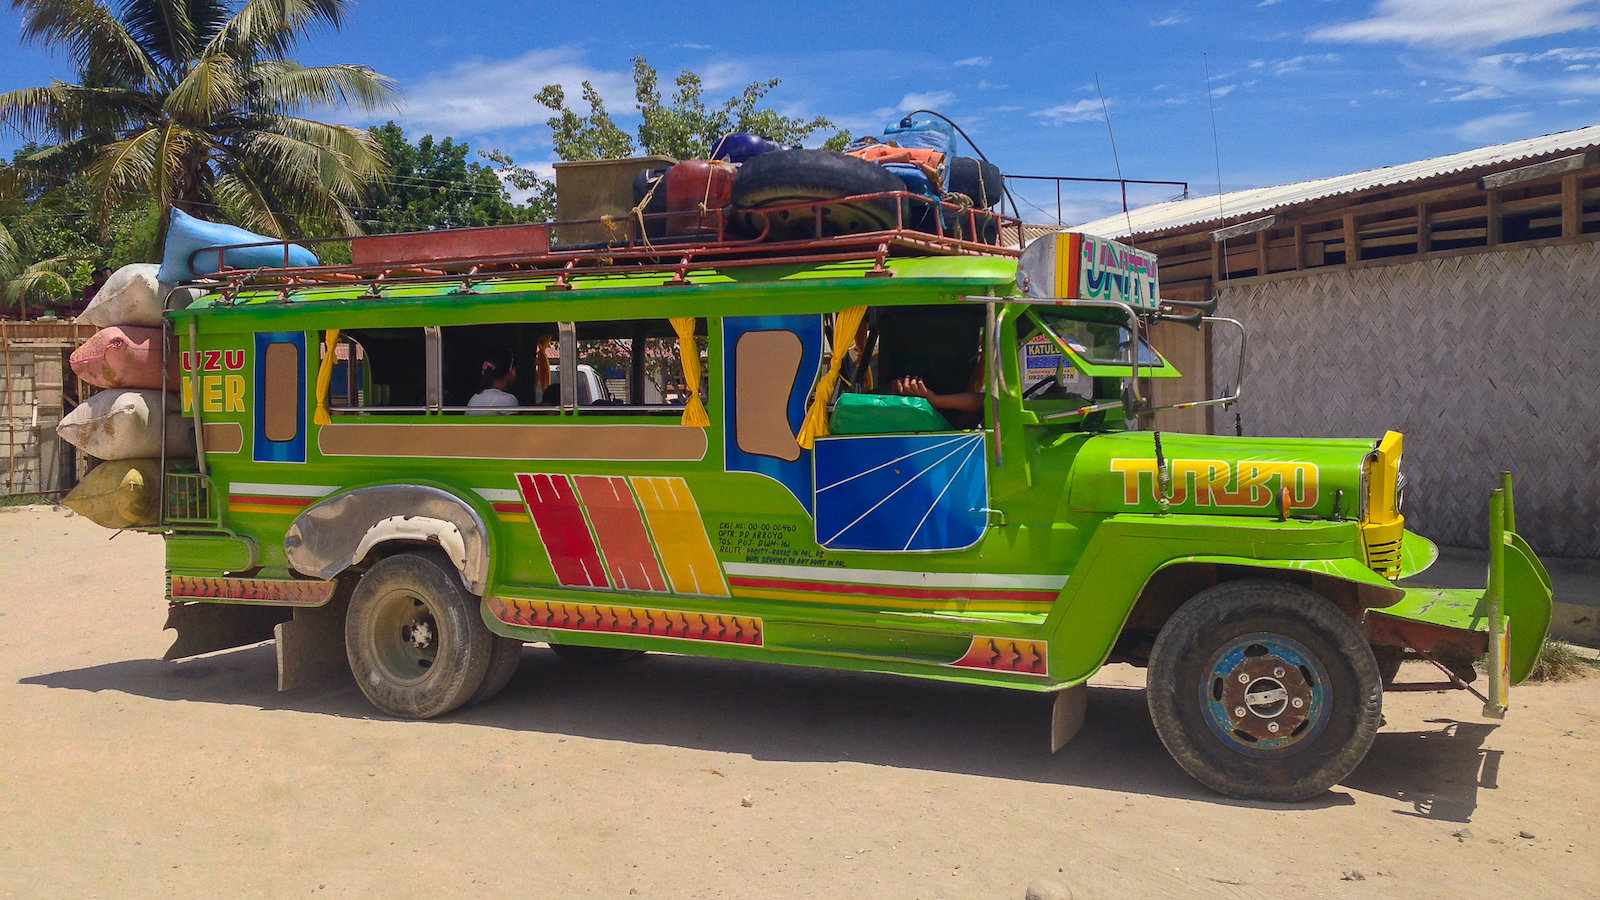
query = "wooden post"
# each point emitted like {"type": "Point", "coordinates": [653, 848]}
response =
{"type": "Point", "coordinates": [1261, 252]}
{"type": "Point", "coordinates": [1352, 240]}
{"type": "Point", "coordinates": [1219, 262]}
{"type": "Point", "coordinates": [1491, 218]}
{"type": "Point", "coordinates": [1571, 207]}
{"type": "Point", "coordinates": [1424, 229]}
{"type": "Point", "coordinates": [1299, 247]}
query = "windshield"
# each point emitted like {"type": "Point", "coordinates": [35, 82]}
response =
{"type": "Point", "coordinates": [1102, 343]}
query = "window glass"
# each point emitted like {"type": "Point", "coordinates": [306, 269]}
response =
{"type": "Point", "coordinates": [379, 370]}
{"type": "Point", "coordinates": [475, 360]}
{"type": "Point", "coordinates": [634, 363]}
{"type": "Point", "coordinates": [1098, 342]}
{"type": "Point", "coordinates": [924, 364]}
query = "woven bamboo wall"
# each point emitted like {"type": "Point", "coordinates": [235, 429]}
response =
{"type": "Point", "coordinates": [1486, 362]}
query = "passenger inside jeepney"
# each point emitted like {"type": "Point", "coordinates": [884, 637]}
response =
{"type": "Point", "coordinates": [497, 372]}
{"type": "Point", "coordinates": [931, 352]}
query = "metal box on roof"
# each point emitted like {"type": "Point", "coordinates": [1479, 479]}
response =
{"type": "Point", "coordinates": [590, 190]}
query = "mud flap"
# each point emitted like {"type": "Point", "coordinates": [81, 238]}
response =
{"type": "Point", "coordinates": [209, 627]}
{"type": "Point", "coordinates": [311, 646]}
{"type": "Point", "coordinates": [1067, 714]}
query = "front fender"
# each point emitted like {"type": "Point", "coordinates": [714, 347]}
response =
{"type": "Point", "coordinates": [1130, 549]}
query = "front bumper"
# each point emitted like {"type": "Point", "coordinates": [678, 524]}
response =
{"type": "Point", "coordinates": [1507, 620]}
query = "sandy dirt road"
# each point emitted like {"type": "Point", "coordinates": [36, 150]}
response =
{"type": "Point", "coordinates": [123, 775]}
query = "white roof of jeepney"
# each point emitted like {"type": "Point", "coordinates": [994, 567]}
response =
{"type": "Point", "coordinates": [1196, 210]}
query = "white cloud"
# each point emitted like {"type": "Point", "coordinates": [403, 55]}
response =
{"type": "Point", "coordinates": [925, 100]}
{"type": "Point", "coordinates": [1258, 63]}
{"type": "Point", "coordinates": [545, 171]}
{"type": "Point", "coordinates": [1266, 3]}
{"type": "Point", "coordinates": [1067, 113]}
{"type": "Point", "coordinates": [1463, 23]}
{"type": "Point", "coordinates": [689, 46]}
{"type": "Point", "coordinates": [1498, 127]}
{"type": "Point", "coordinates": [1481, 92]}
{"type": "Point", "coordinates": [483, 95]}
{"type": "Point", "coordinates": [1006, 108]}
{"type": "Point", "coordinates": [985, 84]}
{"type": "Point", "coordinates": [1169, 20]}
{"type": "Point", "coordinates": [1300, 63]}
{"type": "Point", "coordinates": [979, 61]}
{"type": "Point", "coordinates": [1223, 90]}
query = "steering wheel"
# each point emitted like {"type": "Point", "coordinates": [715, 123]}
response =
{"type": "Point", "coordinates": [1040, 386]}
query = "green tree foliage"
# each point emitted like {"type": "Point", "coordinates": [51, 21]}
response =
{"type": "Point", "coordinates": [196, 105]}
{"type": "Point", "coordinates": [434, 184]}
{"type": "Point", "coordinates": [682, 126]}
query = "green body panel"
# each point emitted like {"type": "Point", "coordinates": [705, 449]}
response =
{"type": "Point", "coordinates": [1062, 510]}
{"type": "Point", "coordinates": [1417, 554]}
{"type": "Point", "coordinates": [209, 553]}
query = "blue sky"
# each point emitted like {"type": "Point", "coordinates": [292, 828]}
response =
{"type": "Point", "coordinates": [1301, 88]}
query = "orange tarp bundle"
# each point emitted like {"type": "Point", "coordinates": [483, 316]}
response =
{"type": "Point", "coordinates": [927, 159]}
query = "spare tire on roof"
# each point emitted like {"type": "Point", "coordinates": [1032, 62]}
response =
{"type": "Point", "coordinates": [981, 180]}
{"type": "Point", "coordinates": [796, 176]}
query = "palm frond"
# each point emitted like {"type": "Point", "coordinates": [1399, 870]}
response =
{"type": "Point", "coordinates": [283, 85]}
{"type": "Point", "coordinates": [128, 166]}
{"type": "Point", "coordinates": [210, 88]}
{"type": "Point", "coordinates": [38, 282]}
{"type": "Point", "coordinates": [91, 34]}
{"type": "Point", "coordinates": [248, 202]}
{"type": "Point", "coordinates": [361, 152]}
{"type": "Point", "coordinates": [268, 28]}
{"type": "Point", "coordinates": [163, 26]}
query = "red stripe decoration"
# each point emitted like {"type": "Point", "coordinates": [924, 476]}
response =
{"type": "Point", "coordinates": [509, 508]}
{"type": "Point", "coordinates": [565, 534]}
{"type": "Point", "coordinates": [618, 525]}
{"type": "Point", "coordinates": [270, 500]}
{"type": "Point", "coordinates": [897, 591]}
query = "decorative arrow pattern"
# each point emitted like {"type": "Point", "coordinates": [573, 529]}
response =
{"type": "Point", "coordinates": [664, 623]}
{"type": "Point", "coordinates": [999, 654]}
{"type": "Point", "coordinates": [276, 591]}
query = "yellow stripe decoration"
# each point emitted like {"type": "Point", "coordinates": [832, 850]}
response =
{"type": "Point", "coordinates": [680, 535]}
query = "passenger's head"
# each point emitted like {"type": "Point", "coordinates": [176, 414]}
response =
{"type": "Point", "coordinates": [499, 370]}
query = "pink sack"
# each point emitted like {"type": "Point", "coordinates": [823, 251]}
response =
{"type": "Point", "coordinates": [125, 356]}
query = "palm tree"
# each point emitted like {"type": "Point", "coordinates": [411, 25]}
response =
{"type": "Point", "coordinates": [194, 104]}
{"type": "Point", "coordinates": [21, 280]}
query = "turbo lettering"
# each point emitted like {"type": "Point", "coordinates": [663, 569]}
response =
{"type": "Point", "coordinates": [1252, 484]}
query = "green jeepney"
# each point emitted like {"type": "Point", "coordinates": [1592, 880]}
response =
{"type": "Point", "coordinates": [703, 458]}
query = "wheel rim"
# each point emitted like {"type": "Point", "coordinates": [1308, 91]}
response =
{"type": "Point", "coordinates": [1265, 693]}
{"type": "Point", "coordinates": [404, 639]}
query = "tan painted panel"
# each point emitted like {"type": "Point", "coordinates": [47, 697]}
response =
{"type": "Point", "coordinates": [280, 393]}
{"type": "Point", "coordinates": [530, 442]}
{"type": "Point", "coordinates": [767, 362]}
{"type": "Point", "coordinates": [223, 437]}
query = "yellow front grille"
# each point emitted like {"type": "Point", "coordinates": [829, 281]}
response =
{"type": "Point", "coordinates": [1383, 547]}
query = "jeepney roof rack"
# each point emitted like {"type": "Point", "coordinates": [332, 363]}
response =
{"type": "Point", "coordinates": [474, 255]}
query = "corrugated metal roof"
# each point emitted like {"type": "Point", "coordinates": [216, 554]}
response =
{"type": "Point", "coordinates": [1195, 210]}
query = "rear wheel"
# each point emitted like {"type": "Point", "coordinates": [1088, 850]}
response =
{"type": "Point", "coordinates": [504, 658]}
{"type": "Point", "coordinates": [1264, 690]}
{"type": "Point", "coordinates": [415, 638]}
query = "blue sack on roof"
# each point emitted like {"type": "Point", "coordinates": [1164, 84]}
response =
{"type": "Point", "coordinates": [186, 234]}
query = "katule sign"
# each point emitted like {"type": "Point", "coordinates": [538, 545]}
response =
{"type": "Point", "coordinates": [1075, 266]}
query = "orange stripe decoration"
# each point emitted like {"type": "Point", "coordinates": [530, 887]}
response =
{"type": "Point", "coordinates": [680, 535]}
{"type": "Point", "coordinates": [618, 526]}
{"type": "Point", "coordinates": [268, 504]}
{"type": "Point", "coordinates": [270, 591]}
{"type": "Point", "coordinates": [996, 654]}
{"type": "Point", "coordinates": [609, 619]}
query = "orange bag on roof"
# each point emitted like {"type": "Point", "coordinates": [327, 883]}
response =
{"type": "Point", "coordinates": [930, 161]}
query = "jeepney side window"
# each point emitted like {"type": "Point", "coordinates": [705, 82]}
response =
{"type": "Point", "coordinates": [932, 354]}
{"type": "Point", "coordinates": [635, 366]}
{"type": "Point", "coordinates": [378, 371]}
{"type": "Point", "coordinates": [534, 351]}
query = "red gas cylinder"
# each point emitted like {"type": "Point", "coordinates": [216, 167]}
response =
{"type": "Point", "coordinates": [694, 182]}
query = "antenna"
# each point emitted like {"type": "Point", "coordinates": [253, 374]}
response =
{"type": "Point", "coordinates": [1116, 159]}
{"type": "Point", "coordinates": [1216, 150]}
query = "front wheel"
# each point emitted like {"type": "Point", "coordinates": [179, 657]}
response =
{"type": "Point", "coordinates": [1264, 690]}
{"type": "Point", "coordinates": [416, 640]}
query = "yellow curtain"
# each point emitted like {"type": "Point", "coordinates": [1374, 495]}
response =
{"type": "Point", "coordinates": [694, 412]}
{"type": "Point", "coordinates": [541, 365]}
{"type": "Point", "coordinates": [330, 340]}
{"type": "Point", "coordinates": [846, 323]}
